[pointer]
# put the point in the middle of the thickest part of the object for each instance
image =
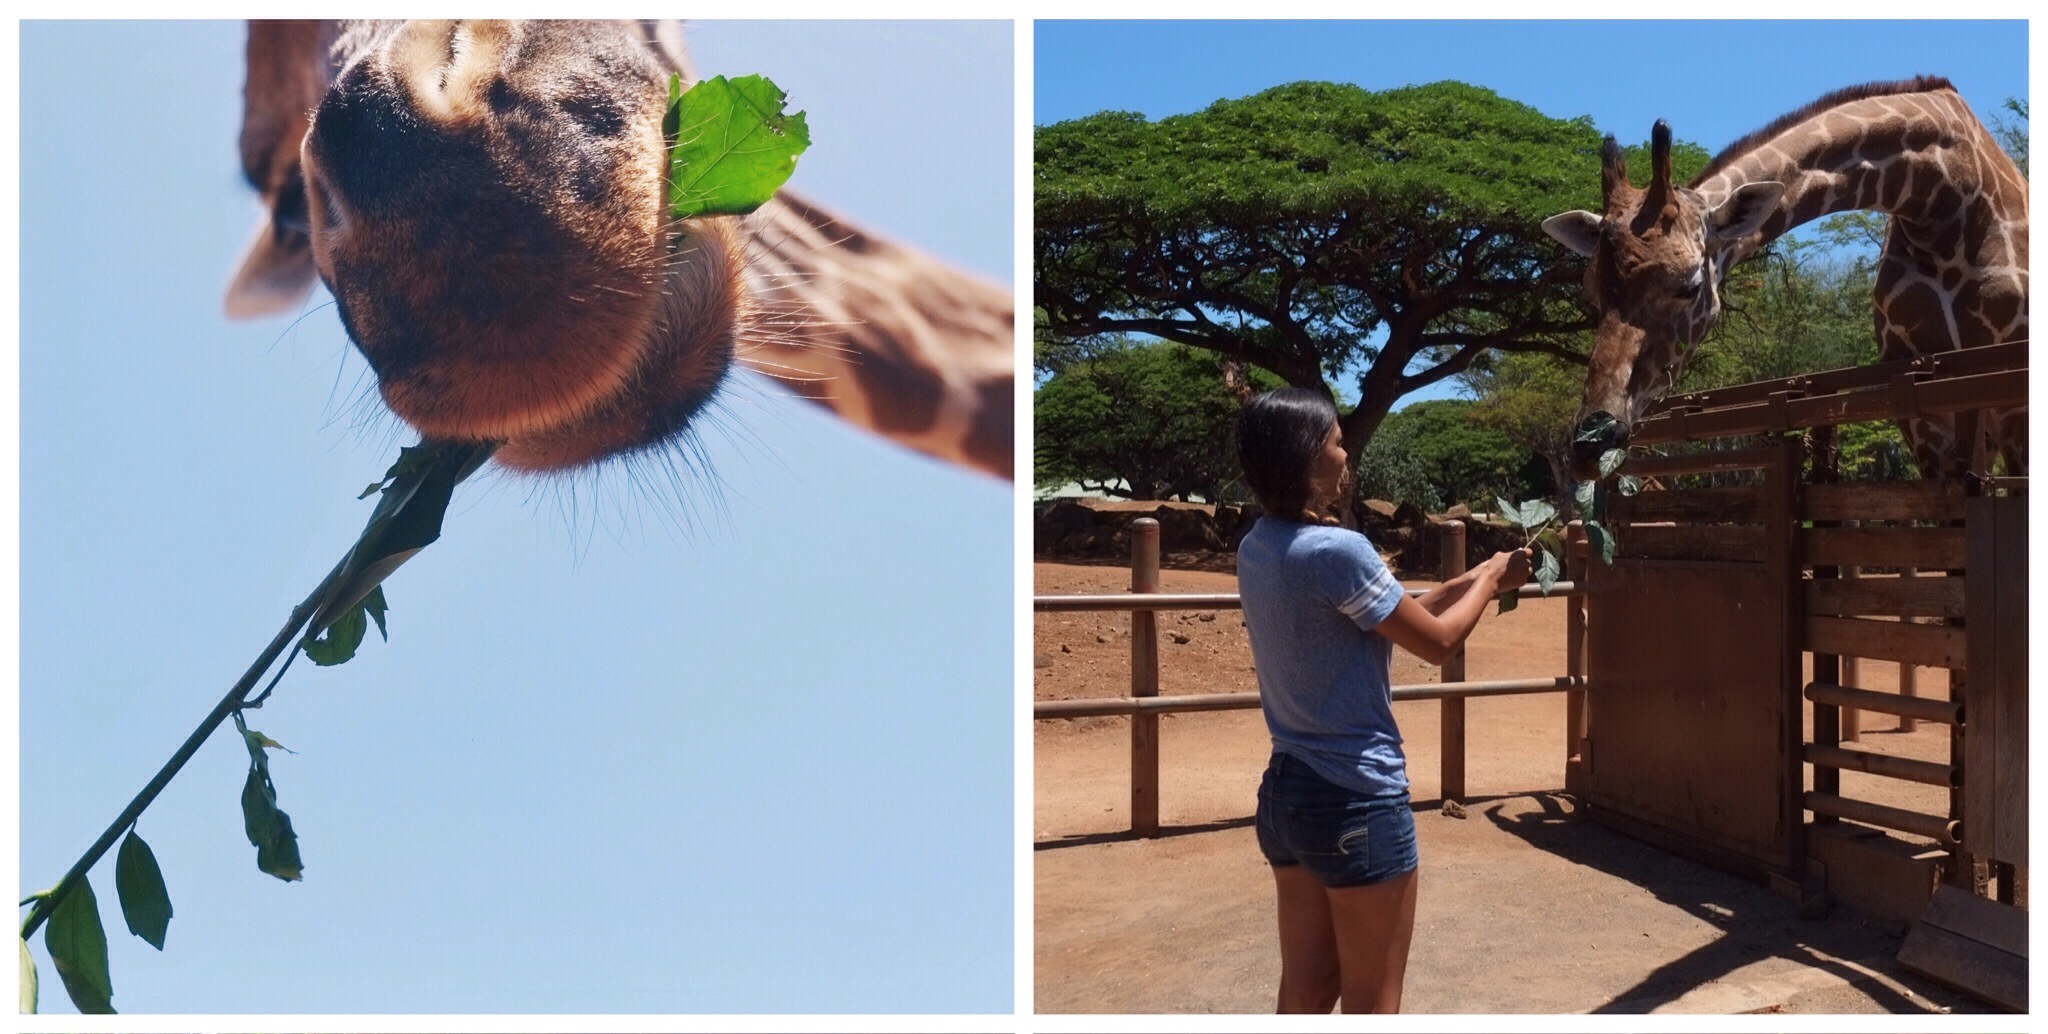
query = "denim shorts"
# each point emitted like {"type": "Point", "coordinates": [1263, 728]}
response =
{"type": "Point", "coordinates": [1343, 837]}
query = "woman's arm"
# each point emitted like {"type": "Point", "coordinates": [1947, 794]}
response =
{"type": "Point", "coordinates": [1447, 593]}
{"type": "Point", "coordinates": [1435, 634]}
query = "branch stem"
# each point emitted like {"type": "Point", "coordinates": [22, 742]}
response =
{"type": "Point", "coordinates": [228, 705]}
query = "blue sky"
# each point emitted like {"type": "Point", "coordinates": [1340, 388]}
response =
{"type": "Point", "coordinates": [1714, 81]}
{"type": "Point", "coordinates": [601, 766]}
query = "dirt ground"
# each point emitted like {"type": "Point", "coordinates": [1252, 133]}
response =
{"type": "Point", "coordinates": [1525, 906]}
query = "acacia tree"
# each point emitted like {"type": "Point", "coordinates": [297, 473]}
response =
{"type": "Point", "coordinates": [1320, 231]}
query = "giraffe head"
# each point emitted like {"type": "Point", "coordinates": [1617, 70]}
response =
{"type": "Point", "coordinates": [1657, 256]}
{"type": "Point", "coordinates": [485, 201]}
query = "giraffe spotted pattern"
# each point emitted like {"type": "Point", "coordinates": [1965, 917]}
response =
{"type": "Point", "coordinates": [1952, 273]}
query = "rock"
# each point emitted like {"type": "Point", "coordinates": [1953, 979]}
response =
{"type": "Point", "coordinates": [1227, 518]}
{"type": "Point", "coordinates": [1100, 638]}
{"type": "Point", "coordinates": [1059, 523]}
{"type": "Point", "coordinates": [1452, 809]}
{"type": "Point", "coordinates": [1207, 615]}
{"type": "Point", "coordinates": [1459, 512]}
{"type": "Point", "coordinates": [1180, 638]}
{"type": "Point", "coordinates": [1409, 515]}
{"type": "Point", "coordinates": [1185, 529]}
{"type": "Point", "coordinates": [1063, 648]}
{"type": "Point", "coordinates": [1380, 508]}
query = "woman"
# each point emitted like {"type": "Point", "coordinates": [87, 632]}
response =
{"type": "Point", "coordinates": [1323, 613]}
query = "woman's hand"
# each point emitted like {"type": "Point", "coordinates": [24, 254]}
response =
{"type": "Point", "coordinates": [1511, 568]}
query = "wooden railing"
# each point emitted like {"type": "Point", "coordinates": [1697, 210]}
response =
{"type": "Point", "coordinates": [1144, 705]}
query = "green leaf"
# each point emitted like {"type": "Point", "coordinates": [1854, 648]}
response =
{"type": "Point", "coordinates": [78, 945]}
{"type": "Point", "coordinates": [1535, 512]}
{"type": "Point", "coordinates": [1629, 484]}
{"type": "Point", "coordinates": [1508, 603]}
{"type": "Point", "coordinates": [1552, 540]}
{"type": "Point", "coordinates": [1509, 512]}
{"type": "Point", "coordinates": [1586, 495]}
{"type": "Point", "coordinates": [410, 458]}
{"type": "Point", "coordinates": [734, 146]}
{"type": "Point", "coordinates": [280, 857]}
{"type": "Point", "coordinates": [407, 519]}
{"type": "Point", "coordinates": [339, 642]}
{"type": "Point", "coordinates": [145, 901]}
{"type": "Point", "coordinates": [1547, 571]}
{"type": "Point", "coordinates": [28, 980]}
{"type": "Point", "coordinates": [1602, 541]}
{"type": "Point", "coordinates": [269, 828]}
{"type": "Point", "coordinates": [1611, 461]}
{"type": "Point", "coordinates": [1600, 429]}
{"type": "Point", "coordinates": [374, 605]}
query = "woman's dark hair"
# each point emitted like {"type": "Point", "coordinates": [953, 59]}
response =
{"type": "Point", "coordinates": [1279, 434]}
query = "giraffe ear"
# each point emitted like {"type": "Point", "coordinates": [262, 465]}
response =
{"type": "Point", "coordinates": [1744, 211]}
{"type": "Point", "coordinates": [276, 273]}
{"type": "Point", "coordinates": [1579, 231]}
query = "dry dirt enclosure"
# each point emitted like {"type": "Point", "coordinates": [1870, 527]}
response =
{"type": "Point", "coordinates": [1525, 907]}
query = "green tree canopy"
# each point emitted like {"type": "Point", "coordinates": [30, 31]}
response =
{"type": "Point", "coordinates": [1322, 231]}
{"type": "Point", "coordinates": [1141, 420]}
{"type": "Point", "coordinates": [1437, 452]}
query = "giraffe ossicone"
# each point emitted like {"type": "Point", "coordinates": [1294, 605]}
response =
{"type": "Point", "coordinates": [1952, 273]}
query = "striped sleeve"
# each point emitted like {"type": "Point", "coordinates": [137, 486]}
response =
{"type": "Point", "coordinates": [1357, 581]}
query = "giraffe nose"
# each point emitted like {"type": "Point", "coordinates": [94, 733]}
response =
{"type": "Point", "coordinates": [1598, 433]}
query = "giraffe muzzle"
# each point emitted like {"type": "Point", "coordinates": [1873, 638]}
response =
{"type": "Point", "coordinates": [1596, 435]}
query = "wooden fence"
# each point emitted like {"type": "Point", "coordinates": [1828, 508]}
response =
{"type": "Point", "coordinates": [1144, 705]}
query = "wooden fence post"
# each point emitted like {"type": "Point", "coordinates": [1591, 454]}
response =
{"type": "Point", "coordinates": [1145, 680]}
{"type": "Point", "coordinates": [1451, 564]}
{"type": "Point", "coordinates": [1909, 680]}
{"type": "Point", "coordinates": [1851, 724]}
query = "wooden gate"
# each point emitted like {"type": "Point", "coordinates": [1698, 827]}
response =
{"type": "Point", "coordinates": [1692, 731]}
{"type": "Point", "coordinates": [1696, 704]}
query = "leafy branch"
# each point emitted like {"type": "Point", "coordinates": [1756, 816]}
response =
{"type": "Point", "coordinates": [1536, 517]}
{"type": "Point", "coordinates": [415, 497]}
{"type": "Point", "coordinates": [731, 147]}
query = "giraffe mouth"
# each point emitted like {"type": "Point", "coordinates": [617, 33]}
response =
{"type": "Point", "coordinates": [685, 352]}
{"type": "Point", "coordinates": [1598, 434]}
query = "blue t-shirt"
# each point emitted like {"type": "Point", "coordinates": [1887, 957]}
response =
{"type": "Point", "coordinates": [1312, 595]}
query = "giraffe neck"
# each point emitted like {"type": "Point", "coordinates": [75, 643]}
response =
{"type": "Point", "coordinates": [1953, 270]}
{"type": "Point", "coordinates": [1920, 157]}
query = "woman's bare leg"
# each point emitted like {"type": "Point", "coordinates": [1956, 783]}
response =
{"type": "Point", "coordinates": [1373, 927]}
{"type": "Point", "coordinates": [1309, 969]}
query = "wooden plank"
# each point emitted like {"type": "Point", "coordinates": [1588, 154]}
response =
{"type": "Point", "coordinates": [1741, 503]}
{"type": "Point", "coordinates": [1881, 876]}
{"type": "Point", "coordinates": [1981, 391]}
{"type": "Point", "coordinates": [1862, 405]}
{"type": "Point", "coordinates": [1725, 542]}
{"type": "Point", "coordinates": [2011, 695]}
{"type": "Point", "coordinates": [1982, 359]}
{"type": "Point", "coordinates": [1883, 765]}
{"type": "Point", "coordinates": [1940, 548]}
{"type": "Point", "coordinates": [1689, 740]}
{"type": "Point", "coordinates": [1930, 646]}
{"type": "Point", "coordinates": [1886, 596]}
{"type": "Point", "coordinates": [1707, 462]}
{"type": "Point", "coordinates": [1973, 944]}
{"type": "Point", "coordinates": [1980, 742]}
{"type": "Point", "coordinates": [1944, 711]}
{"type": "Point", "coordinates": [1995, 765]}
{"type": "Point", "coordinates": [1933, 827]}
{"type": "Point", "coordinates": [1884, 501]}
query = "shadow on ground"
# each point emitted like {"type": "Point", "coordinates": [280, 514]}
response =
{"type": "Point", "coordinates": [1753, 921]}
